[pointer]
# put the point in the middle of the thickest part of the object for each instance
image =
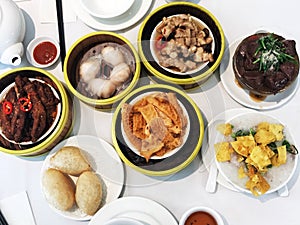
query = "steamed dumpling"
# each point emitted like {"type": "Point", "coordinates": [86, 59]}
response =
{"type": "Point", "coordinates": [89, 69]}
{"type": "Point", "coordinates": [102, 88]}
{"type": "Point", "coordinates": [112, 55]}
{"type": "Point", "coordinates": [120, 74]}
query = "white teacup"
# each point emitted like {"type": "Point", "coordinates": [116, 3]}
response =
{"type": "Point", "coordinates": [202, 209]}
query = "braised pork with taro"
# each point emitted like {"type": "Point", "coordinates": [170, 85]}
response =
{"type": "Point", "coordinates": [182, 43]}
{"type": "Point", "coordinates": [27, 111]}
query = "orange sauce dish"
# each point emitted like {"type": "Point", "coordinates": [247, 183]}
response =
{"type": "Point", "coordinates": [200, 218]}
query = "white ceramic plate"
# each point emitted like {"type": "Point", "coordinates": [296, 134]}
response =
{"type": "Point", "coordinates": [145, 210]}
{"type": "Point", "coordinates": [277, 177]}
{"type": "Point", "coordinates": [133, 15]}
{"type": "Point", "coordinates": [201, 66]}
{"type": "Point", "coordinates": [102, 157]}
{"type": "Point", "coordinates": [106, 8]}
{"type": "Point", "coordinates": [241, 95]}
{"type": "Point", "coordinates": [170, 153]}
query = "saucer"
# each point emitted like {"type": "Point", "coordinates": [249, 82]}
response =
{"type": "Point", "coordinates": [132, 16]}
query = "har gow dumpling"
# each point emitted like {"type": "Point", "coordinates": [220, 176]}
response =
{"type": "Point", "coordinates": [102, 88]}
{"type": "Point", "coordinates": [120, 74]}
{"type": "Point", "coordinates": [112, 55]}
{"type": "Point", "coordinates": [90, 68]}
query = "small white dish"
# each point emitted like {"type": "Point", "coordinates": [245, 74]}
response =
{"type": "Point", "coordinates": [42, 52]}
{"type": "Point", "coordinates": [200, 67]}
{"type": "Point", "coordinates": [205, 211]}
{"type": "Point", "coordinates": [123, 221]}
{"type": "Point", "coordinates": [134, 14]}
{"type": "Point", "coordinates": [106, 8]}
{"type": "Point", "coordinates": [170, 153]}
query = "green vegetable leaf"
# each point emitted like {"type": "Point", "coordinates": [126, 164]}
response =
{"type": "Point", "coordinates": [271, 53]}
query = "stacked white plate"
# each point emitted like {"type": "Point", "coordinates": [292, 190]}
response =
{"type": "Point", "coordinates": [111, 15]}
{"type": "Point", "coordinates": [106, 8]}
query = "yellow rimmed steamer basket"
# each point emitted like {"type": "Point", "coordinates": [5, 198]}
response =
{"type": "Point", "coordinates": [160, 74]}
{"type": "Point", "coordinates": [65, 121]}
{"type": "Point", "coordinates": [76, 53]}
{"type": "Point", "coordinates": [166, 165]}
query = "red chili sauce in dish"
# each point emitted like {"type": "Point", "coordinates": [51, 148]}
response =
{"type": "Point", "coordinates": [200, 218]}
{"type": "Point", "coordinates": [45, 52]}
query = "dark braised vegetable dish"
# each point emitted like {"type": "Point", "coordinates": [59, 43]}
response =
{"type": "Point", "coordinates": [27, 111]}
{"type": "Point", "coordinates": [266, 63]}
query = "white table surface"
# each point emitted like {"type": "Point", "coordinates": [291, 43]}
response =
{"type": "Point", "coordinates": [185, 189]}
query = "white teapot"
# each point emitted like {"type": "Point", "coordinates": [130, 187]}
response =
{"type": "Point", "coordinates": [12, 32]}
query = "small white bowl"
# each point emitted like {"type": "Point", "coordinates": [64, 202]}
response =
{"type": "Point", "coordinates": [123, 221]}
{"type": "Point", "coordinates": [49, 51]}
{"type": "Point", "coordinates": [210, 211]}
{"type": "Point", "coordinates": [106, 8]}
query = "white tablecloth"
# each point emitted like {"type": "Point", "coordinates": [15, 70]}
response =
{"type": "Point", "coordinates": [185, 189]}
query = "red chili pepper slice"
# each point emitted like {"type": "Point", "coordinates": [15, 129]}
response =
{"type": "Point", "coordinates": [7, 107]}
{"type": "Point", "coordinates": [25, 104]}
{"type": "Point", "coordinates": [159, 43]}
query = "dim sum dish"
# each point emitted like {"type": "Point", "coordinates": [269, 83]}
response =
{"type": "Point", "coordinates": [151, 127]}
{"type": "Point", "coordinates": [266, 63]}
{"type": "Point", "coordinates": [75, 180]}
{"type": "Point", "coordinates": [101, 68]}
{"type": "Point", "coordinates": [181, 43]}
{"type": "Point", "coordinates": [35, 113]}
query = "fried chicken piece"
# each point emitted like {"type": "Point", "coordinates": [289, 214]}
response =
{"type": "Point", "coordinates": [38, 112]}
{"type": "Point", "coordinates": [48, 99]}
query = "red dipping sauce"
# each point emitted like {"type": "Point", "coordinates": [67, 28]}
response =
{"type": "Point", "coordinates": [45, 52]}
{"type": "Point", "coordinates": [200, 218]}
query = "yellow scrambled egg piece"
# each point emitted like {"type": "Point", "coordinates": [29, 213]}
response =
{"type": "Point", "coordinates": [280, 157]}
{"type": "Point", "coordinates": [259, 158]}
{"type": "Point", "coordinates": [223, 151]}
{"type": "Point", "coordinates": [225, 128]}
{"type": "Point", "coordinates": [243, 145]}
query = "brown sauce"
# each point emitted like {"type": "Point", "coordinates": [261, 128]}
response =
{"type": "Point", "coordinates": [253, 96]}
{"type": "Point", "coordinates": [200, 218]}
{"type": "Point", "coordinates": [257, 98]}
{"type": "Point", "coordinates": [238, 83]}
